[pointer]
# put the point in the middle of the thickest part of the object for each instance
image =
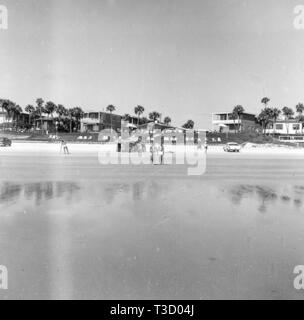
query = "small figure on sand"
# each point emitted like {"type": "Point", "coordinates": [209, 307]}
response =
{"type": "Point", "coordinates": [206, 145]}
{"type": "Point", "coordinates": [64, 146]}
{"type": "Point", "coordinates": [162, 153]}
{"type": "Point", "coordinates": [152, 153]}
{"type": "Point", "coordinates": [157, 153]}
{"type": "Point", "coordinates": [199, 144]}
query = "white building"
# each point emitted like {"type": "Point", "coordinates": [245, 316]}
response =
{"type": "Point", "coordinates": [285, 127]}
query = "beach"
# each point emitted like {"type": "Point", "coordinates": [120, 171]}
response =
{"type": "Point", "coordinates": [73, 228]}
{"type": "Point", "coordinates": [21, 147]}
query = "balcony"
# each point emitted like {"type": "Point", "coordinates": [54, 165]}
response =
{"type": "Point", "coordinates": [236, 121]}
{"type": "Point", "coordinates": [90, 121]}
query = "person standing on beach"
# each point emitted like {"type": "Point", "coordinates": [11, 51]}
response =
{"type": "Point", "coordinates": [65, 147]}
{"type": "Point", "coordinates": [152, 153]}
{"type": "Point", "coordinates": [199, 144]}
{"type": "Point", "coordinates": [206, 145]}
{"type": "Point", "coordinates": [162, 153]}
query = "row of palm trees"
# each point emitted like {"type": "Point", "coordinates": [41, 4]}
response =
{"type": "Point", "coordinates": [153, 116]}
{"type": "Point", "coordinates": [65, 117]}
{"type": "Point", "coordinates": [271, 114]}
{"type": "Point", "coordinates": [12, 109]}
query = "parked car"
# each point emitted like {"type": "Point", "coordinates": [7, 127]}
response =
{"type": "Point", "coordinates": [5, 142]}
{"type": "Point", "coordinates": [232, 147]}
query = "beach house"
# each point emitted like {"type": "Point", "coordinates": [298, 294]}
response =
{"type": "Point", "coordinates": [226, 122]}
{"type": "Point", "coordinates": [97, 121]}
{"type": "Point", "coordinates": [7, 121]}
{"type": "Point", "coordinates": [285, 127]}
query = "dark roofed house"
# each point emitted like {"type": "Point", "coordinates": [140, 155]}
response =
{"type": "Point", "coordinates": [97, 121]}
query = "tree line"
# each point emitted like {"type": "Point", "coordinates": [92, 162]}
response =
{"type": "Point", "coordinates": [69, 118]}
{"type": "Point", "coordinates": [271, 114]}
{"type": "Point", "coordinates": [154, 116]}
{"type": "Point", "coordinates": [66, 118]}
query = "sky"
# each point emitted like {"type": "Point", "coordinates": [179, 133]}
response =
{"type": "Point", "coordinates": [183, 58]}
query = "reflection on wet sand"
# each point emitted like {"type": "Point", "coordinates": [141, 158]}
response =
{"type": "Point", "coordinates": [10, 192]}
{"type": "Point", "coordinates": [140, 190]}
{"type": "Point", "coordinates": [45, 191]}
{"type": "Point", "coordinates": [146, 238]}
{"type": "Point", "coordinates": [265, 195]}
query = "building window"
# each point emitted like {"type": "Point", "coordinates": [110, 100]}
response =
{"type": "Point", "coordinates": [279, 126]}
{"type": "Point", "coordinates": [296, 127]}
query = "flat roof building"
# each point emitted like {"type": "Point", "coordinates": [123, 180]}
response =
{"type": "Point", "coordinates": [97, 121]}
{"type": "Point", "coordinates": [225, 122]}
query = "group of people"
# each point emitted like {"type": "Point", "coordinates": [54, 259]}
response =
{"type": "Point", "coordinates": [157, 153]}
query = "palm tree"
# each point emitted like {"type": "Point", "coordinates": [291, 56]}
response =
{"type": "Point", "coordinates": [61, 111]}
{"type": "Point", "coordinates": [264, 118]}
{"type": "Point", "coordinates": [288, 113]}
{"type": "Point", "coordinates": [3, 102]}
{"type": "Point", "coordinates": [78, 114]}
{"type": "Point", "coordinates": [31, 111]}
{"type": "Point", "coordinates": [139, 110]}
{"type": "Point", "coordinates": [70, 114]}
{"type": "Point", "coordinates": [300, 110]}
{"type": "Point", "coordinates": [17, 113]}
{"type": "Point", "coordinates": [40, 108]}
{"type": "Point", "coordinates": [5, 106]}
{"type": "Point", "coordinates": [265, 101]}
{"type": "Point", "coordinates": [10, 107]}
{"type": "Point", "coordinates": [167, 120]}
{"type": "Point", "coordinates": [154, 115]}
{"type": "Point", "coordinates": [189, 124]}
{"type": "Point", "coordinates": [238, 110]}
{"type": "Point", "coordinates": [275, 114]}
{"type": "Point", "coordinates": [50, 108]}
{"type": "Point", "coordinates": [111, 108]}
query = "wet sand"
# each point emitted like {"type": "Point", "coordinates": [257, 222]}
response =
{"type": "Point", "coordinates": [72, 228]}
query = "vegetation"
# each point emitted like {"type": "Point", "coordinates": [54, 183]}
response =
{"type": "Point", "coordinates": [167, 120]}
{"type": "Point", "coordinates": [275, 115]}
{"type": "Point", "coordinates": [265, 117]}
{"type": "Point", "coordinates": [111, 108]}
{"type": "Point", "coordinates": [155, 116]}
{"type": "Point", "coordinates": [265, 101]}
{"type": "Point", "coordinates": [139, 110]}
{"type": "Point", "coordinates": [236, 114]}
{"type": "Point", "coordinates": [288, 113]}
{"type": "Point", "coordinates": [64, 119]}
{"type": "Point", "coordinates": [189, 124]}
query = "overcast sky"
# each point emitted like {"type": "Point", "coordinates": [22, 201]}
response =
{"type": "Point", "coordinates": [183, 58]}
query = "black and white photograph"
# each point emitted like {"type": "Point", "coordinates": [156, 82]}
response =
{"type": "Point", "coordinates": [152, 150]}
